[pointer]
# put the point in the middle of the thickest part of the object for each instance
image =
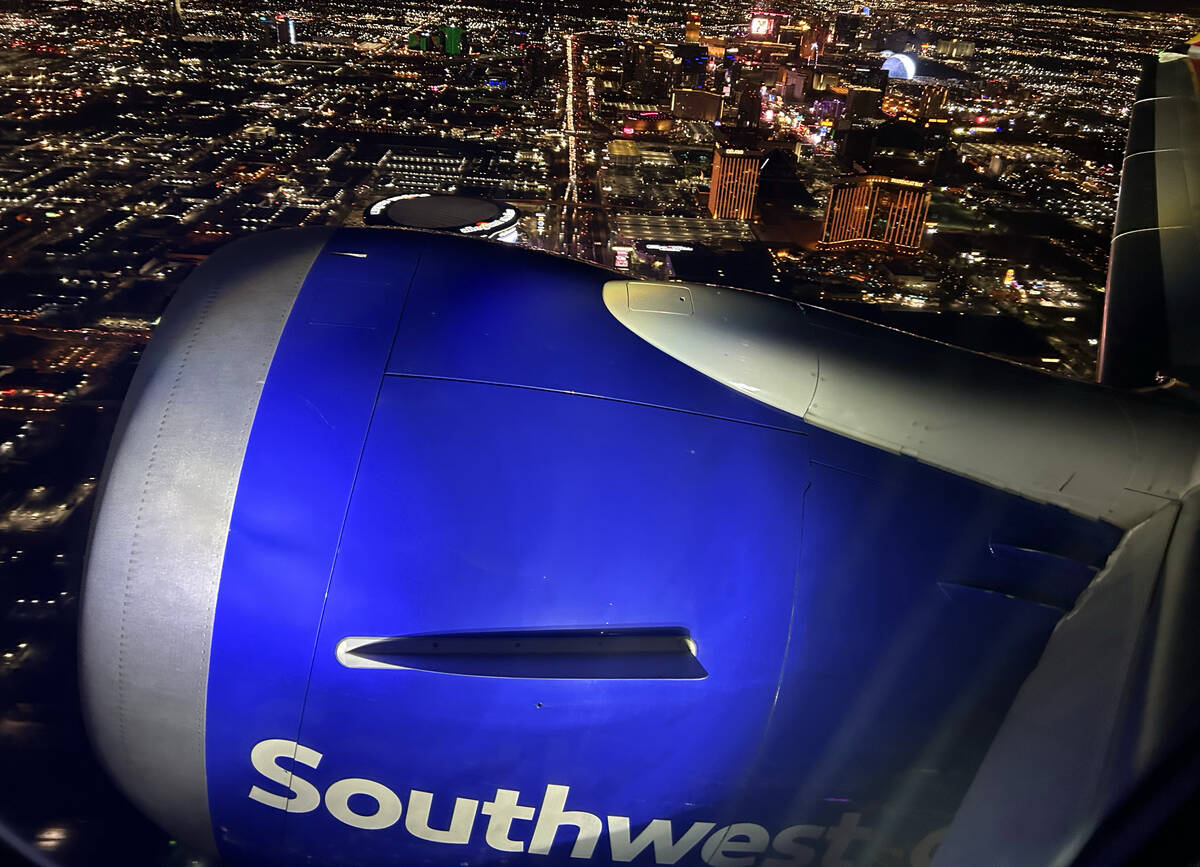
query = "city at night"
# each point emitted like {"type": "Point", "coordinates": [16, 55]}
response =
{"type": "Point", "coordinates": [632, 431]}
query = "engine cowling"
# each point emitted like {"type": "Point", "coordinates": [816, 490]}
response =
{"type": "Point", "coordinates": [408, 550]}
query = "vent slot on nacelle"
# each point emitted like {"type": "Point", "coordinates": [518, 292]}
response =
{"type": "Point", "coordinates": [667, 653]}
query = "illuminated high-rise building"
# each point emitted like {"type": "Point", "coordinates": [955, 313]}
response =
{"type": "Point", "coordinates": [734, 183]}
{"type": "Point", "coordinates": [933, 101]}
{"type": "Point", "coordinates": [750, 108]}
{"type": "Point", "coordinates": [862, 103]}
{"type": "Point", "coordinates": [765, 26]}
{"type": "Point", "coordinates": [446, 39]}
{"type": "Point", "coordinates": [285, 30]}
{"type": "Point", "coordinates": [692, 104]}
{"type": "Point", "coordinates": [691, 29]}
{"type": "Point", "coordinates": [689, 65]}
{"type": "Point", "coordinates": [876, 212]}
{"type": "Point", "coordinates": [639, 61]}
{"type": "Point", "coordinates": [956, 48]}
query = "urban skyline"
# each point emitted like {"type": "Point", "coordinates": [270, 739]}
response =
{"type": "Point", "coordinates": [136, 138]}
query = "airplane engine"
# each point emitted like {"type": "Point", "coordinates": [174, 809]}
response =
{"type": "Point", "coordinates": [411, 550]}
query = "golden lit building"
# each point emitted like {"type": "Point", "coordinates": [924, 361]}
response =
{"type": "Point", "coordinates": [876, 212]}
{"type": "Point", "coordinates": [734, 183]}
{"type": "Point", "coordinates": [691, 29]}
{"type": "Point", "coordinates": [933, 101]}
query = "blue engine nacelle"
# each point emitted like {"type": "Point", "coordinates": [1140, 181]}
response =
{"type": "Point", "coordinates": [408, 551]}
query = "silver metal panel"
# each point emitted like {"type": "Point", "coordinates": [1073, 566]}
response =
{"type": "Point", "coordinates": [347, 657]}
{"type": "Point", "coordinates": [1177, 183]}
{"type": "Point", "coordinates": [1055, 766]}
{"type": "Point", "coordinates": [158, 538]}
{"type": "Point", "coordinates": [1180, 250]}
{"type": "Point", "coordinates": [1172, 695]}
{"type": "Point", "coordinates": [1177, 179]}
{"type": "Point", "coordinates": [660, 298]}
{"type": "Point", "coordinates": [1153, 297]}
{"type": "Point", "coordinates": [1176, 123]}
{"type": "Point", "coordinates": [1088, 449]}
{"type": "Point", "coordinates": [754, 343]}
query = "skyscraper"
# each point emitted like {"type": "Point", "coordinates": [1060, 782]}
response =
{"type": "Point", "coordinates": [862, 103]}
{"type": "Point", "coordinates": [876, 212]}
{"type": "Point", "coordinates": [846, 29]}
{"type": "Point", "coordinates": [933, 101]}
{"type": "Point", "coordinates": [690, 65]}
{"type": "Point", "coordinates": [734, 183]}
{"type": "Point", "coordinates": [956, 47]}
{"type": "Point", "coordinates": [691, 29]}
{"type": "Point", "coordinates": [638, 64]}
{"type": "Point", "coordinates": [692, 104]}
{"type": "Point", "coordinates": [285, 30]}
{"type": "Point", "coordinates": [749, 108]}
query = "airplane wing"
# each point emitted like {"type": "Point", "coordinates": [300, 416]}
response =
{"type": "Point", "coordinates": [1114, 700]}
{"type": "Point", "coordinates": [1152, 304]}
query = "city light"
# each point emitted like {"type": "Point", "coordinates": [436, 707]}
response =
{"type": "Point", "coordinates": [949, 170]}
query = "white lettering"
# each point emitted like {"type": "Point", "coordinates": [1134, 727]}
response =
{"type": "Point", "coordinates": [787, 842]}
{"type": "Point", "coordinates": [388, 807]}
{"type": "Point", "coordinates": [753, 839]}
{"type": "Point", "coordinates": [657, 833]}
{"type": "Point", "coordinates": [552, 817]}
{"type": "Point", "coordinates": [503, 810]}
{"type": "Point", "coordinates": [735, 845]}
{"type": "Point", "coordinates": [461, 823]}
{"type": "Point", "coordinates": [265, 758]}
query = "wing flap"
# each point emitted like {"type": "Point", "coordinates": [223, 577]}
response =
{"type": "Point", "coordinates": [1112, 697]}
